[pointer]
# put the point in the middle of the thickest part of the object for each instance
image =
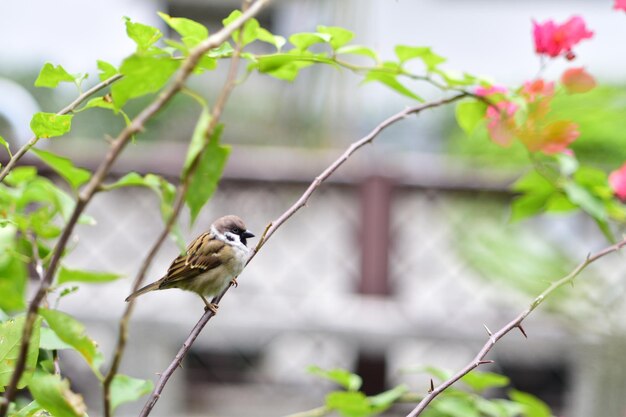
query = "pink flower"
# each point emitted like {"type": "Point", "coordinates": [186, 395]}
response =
{"type": "Point", "coordinates": [553, 40]}
{"type": "Point", "coordinates": [501, 125]}
{"type": "Point", "coordinates": [620, 5]}
{"type": "Point", "coordinates": [558, 136]}
{"type": "Point", "coordinates": [487, 91]}
{"type": "Point", "coordinates": [536, 88]}
{"type": "Point", "coordinates": [617, 181]}
{"type": "Point", "coordinates": [577, 80]}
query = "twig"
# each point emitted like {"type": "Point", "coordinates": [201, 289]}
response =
{"type": "Point", "coordinates": [181, 192]}
{"type": "Point", "coordinates": [67, 109]}
{"type": "Point", "coordinates": [513, 324]}
{"type": "Point", "coordinates": [167, 373]}
{"type": "Point", "coordinates": [38, 264]}
{"type": "Point", "coordinates": [92, 187]}
{"type": "Point", "coordinates": [343, 158]}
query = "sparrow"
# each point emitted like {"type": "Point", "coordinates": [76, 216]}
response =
{"type": "Point", "coordinates": [212, 261]}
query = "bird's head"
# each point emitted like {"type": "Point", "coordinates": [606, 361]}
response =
{"type": "Point", "coordinates": [233, 228]}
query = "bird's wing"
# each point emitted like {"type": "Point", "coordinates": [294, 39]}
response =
{"type": "Point", "coordinates": [202, 255]}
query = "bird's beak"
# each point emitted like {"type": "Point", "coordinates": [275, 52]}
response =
{"type": "Point", "coordinates": [247, 234]}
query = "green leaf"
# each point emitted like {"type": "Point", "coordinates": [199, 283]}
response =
{"type": "Point", "coordinates": [391, 81]}
{"type": "Point", "coordinates": [349, 403]}
{"type": "Point", "coordinates": [456, 78]}
{"type": "Point", "coordinates": [143, 35]}
{"type": "Point", "coordinates": [10, 343]}
{"type": "Point", "coordinates": [357, 50]}
{"type": "Point", "coordinates": [106, 70]}
{"type": "Point", "coordinates": [191, 32]}
{"type": "Point", "coordinates": [4, 143]}
{"type": "Point", "coordinates": [13, 273]}
{"type": "Point", "coordinates": [469, 114]}
{"type": "Point", "coordinates": [125, 389]}
{"type": "Point", "coordinates": [284, 66]}
{"type": "Point", "coordinates": [384, 400]}
{"type": "Point", "coordinates": [72, 332]}
{"type": "Point", "coordinates": [265, 35]}
{"type": "Point", "coordinates": [92, 277]}
{"type": "Point", "coordinates": [50, 341]}
{"type": "Point", "coordinates": [497, 408]}
{"type": "Point", "coordinates": [49, 125]}
{"type": "Point", "coordinates": [302, 41]}
{"type": "Point", "coordinates": [210, 167]}
{"type": "Point", "coordinates": [20, 175]}
{"type": "Point", "coordinates": [51, 76]}
{"type": "Point", "coordinates": [338, 35]}
{"type": "Point", "coordinates": [456, 406]}
{"type": "Point", "coordinates": [346, 379]}
{"type": "Point", "coordinates": [100, 102]}
{"type": "Point", "coordinates": [64, 167]}
{"type": "Point", "coordinates": [536, 192]}
{"type": "Point", "coordinates": [585, 200]}
{"type": "Point", "coordinates": [430, 59]}
{"type": "Point", "coordinates": [529, 205]}
{"type": "Point", "coordinates": [250, 28]}
{"type": "Point", "coordinates": [222, 51]}
{"type": "Point", "coordinates": [533, 406]}
{"type": "Point", "coordinates": [559, 203]}
{"type": "Point", "coordinates": [480, 381]}
{"type": "Point", "coordinates": [56, 397]}
{"type": "Point", "coordinates": [142, 75]}
{"type": "Point", "coordinates": [33, 409]}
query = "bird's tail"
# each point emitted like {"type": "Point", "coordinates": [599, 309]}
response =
{"type": "Point", "coordinates": [150, 287]}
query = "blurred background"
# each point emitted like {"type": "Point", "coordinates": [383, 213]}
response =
{"type": "Point", "coordinates": [396, 263]}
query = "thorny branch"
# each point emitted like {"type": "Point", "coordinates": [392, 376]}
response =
{"type": "Point", "coordinates": [273, 226]}
{"type": "Point", "coordinates": [67, 109]}
{"type": "Point", "coordinates": [181, 192]}
{"type": "Point", "coordinates": [93, 186]}
{"type": "Point", "coordinates": [516, 323]}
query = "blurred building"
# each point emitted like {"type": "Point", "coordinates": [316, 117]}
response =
{"type": "Point", "coordinates": [396, 263]}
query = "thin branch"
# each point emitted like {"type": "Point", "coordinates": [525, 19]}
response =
{"type": "Point", "coordinates": [343, 158]}
{"type": "Point", "coordinates": [181, 193]}
{"type": "Point", "coordinates": [92, 187]}
{"type": "Point", "coordinates": [38, 265]}
{"type": "Point", "coordinates": [513, 324]}
{"type": "Point", "coordinates": [271, 229]}
{"type": "Point", "coordinates": [67, 109]}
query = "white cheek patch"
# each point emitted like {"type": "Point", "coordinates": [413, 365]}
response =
{"type": "Point", "coordinates": [232, 237]}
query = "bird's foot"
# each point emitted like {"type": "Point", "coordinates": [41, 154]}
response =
{"type": "Point", "coordinates": [211, 306]}
{"type": "Point", "coordinates": [234, 282]}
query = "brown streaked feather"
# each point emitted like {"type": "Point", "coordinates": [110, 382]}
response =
{"type": "Point", "coordinates": [202, 255]}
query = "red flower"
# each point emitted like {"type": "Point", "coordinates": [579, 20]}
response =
{"type": "Point", "coordinates": [577, 80]}
{"type": "Point", "coordinates": [617, 181]}
{"type": "Point", "coordinates": [553, 40]}
{"type": "Point", "coordinates": [501, 123]}
{"type": "Point", "coordinates": [620, 5]}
